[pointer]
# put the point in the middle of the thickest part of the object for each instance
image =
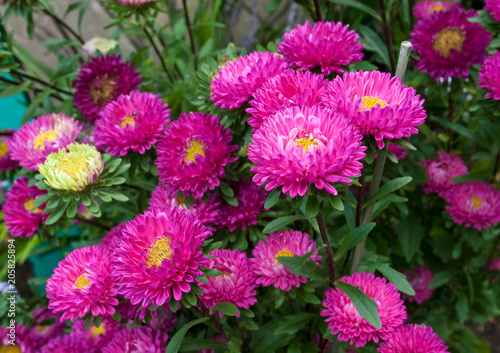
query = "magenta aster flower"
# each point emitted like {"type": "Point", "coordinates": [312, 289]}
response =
{"type": "Point", "coordinates": [136, 339]}
{"type": "Point", "coordinates": [131, 312]}
{"type": "Point", "coordinates": [489, 76]}
{"type": "Point", "coordinates": [25, 341]}
{"type": "Point", "coordinates": [6, 162]}
{"type": "Point", "coordinates": [67, 344]}
{"type": "Point", "coordinates": [299, 146]}
{"type": "Point", "coordinates": [282, 243]}
{"type": "Point", "coordinates": [343, 318]}
{"type": "Point", "coordinates": [20, 219]}
{"type": "Point", "coordinates": [377, 104]}
{"type": "Point", "coordinates": [237, 80]}
{"type": "Point", "coordinates": [235, 285]}
{"type": "Point", "coordinates": [100, 81]}
{"type": "Point", "coordinates": [96, 337]}
{"type": "Point", "coordinates": [251, 200]}
{"type": "Point", "coordinates": [414, 339]}
{"type": "Point", "coordinates": [132, 122]}
{"type": "Point", "coordinates": [494, 7]}
{"type": "Point", "coordinates": [493, 265]}
{"type": "Point", "coordinates": [448, 44]}
{"type": "Point", "coordinates": [441, 170]}
{"type": "Point", "coordinates": [112, 239]}
{"type": "Point", "coordinates": [159, 256]}
{"type": "Point", "coordinates": [31, 340]}
{"type": "Point", "coordinates": [83, 283]}
{"type": "Point", "coordinates": [397, 151]}
{"type": "Point", "coordinates": [290, 88]}
{"type": "Point", "coordinates": [47, 134]}
{"type": "Point", "coordinates": [420, 277]}
{"type": "Point", "coordinates": [328, 45]}
{"type": "Point", "coordinates": [473, 203]}
{"type": "Point", "coordinates": [193, 153]}
{"type": "Point", "coordinates": [425, 9]}
{"type": "Point", "coordinates": [165, 196]}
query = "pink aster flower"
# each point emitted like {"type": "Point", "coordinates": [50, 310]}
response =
{"type": "Point", "coordinates": [425, 9]}
{"type": "Point", "coordinates": [193, 153]}
{"type": "Point", "coordinates": [20, 219]}
{"type": "Point", "coordinates": [441, 170]}
{"type": "Point", "coordinates": [112, 239]}
{"type": "Point", "coordinates": [165, 196]}
{"type": "Point", "coordinates": [100, 81]}
{"type": "Point", "coordinates": [6, 162]}
{"type": "Point", "coordinates": [493, 265]}
{"type": "Point", "coordinates": [420, 277]}
{"type": "Point", "coordinates": [377, 103]}
{"type": "Point", "coordinates": [343, 317]}
{"type": "Point", "coordinates": [328, 45]}
{"type": "Point", "coordinates": [235, 285]}
{"type": "Point", "coordinates": [159, 256]}
{"type": "Point", "coordinates": [473, 203]}
{"type": "Point", "coordinates": [282, 243]}
{"type": "Point", "coordinates": [136, 339]}
{"type": "Point", "coordinates": [83, 283]}
{"type": "Point", "coordinates": [494, 7]}
{"type": "Point", "coordinates": [132, 122]}
{"type": "Point", "coordinates": [237, 80]}
{"type": "Point", "coordinates": [299, 146]}
{"type": "Point", "coordinates": [251, 200]}
{"type": "Point", "coordinates": [67, 344]}
{"type": "Point", "coordinates": [413, 338]}
{"type": "Point", "coordinates": [96, 337]}
{"type": "Point", "coordinates": [397, 151]}
{"type": "Point", "coordinates": [448, 44]}
{"type": "Point", "coordinates": [290, 88]}
{"type": "Point", "coordinates": [47, 134]}
{"type": "Point", "coordinates": [32, 339]}
{"type": "Point", "coordinates": [489, 76]}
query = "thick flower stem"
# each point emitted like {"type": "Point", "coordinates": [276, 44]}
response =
{"type": "Point", "coordinates": [205, 312]}
{"type": "Point", "coordinates": [329, 253]}
{"type": "Point", "coordinates": [318, 10]}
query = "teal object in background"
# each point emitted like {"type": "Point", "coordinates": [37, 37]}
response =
{"type": "Point", "coordinates": [12, 110]}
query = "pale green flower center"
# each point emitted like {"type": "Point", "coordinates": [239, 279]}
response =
{"type": "Point", "coordinates": [195, 147]}
{"type": "Point", "coordinates": [158, 252]}
{"type": "Point", "coordinates": [371, 102]}
{"type": "Point", "coordinates": [28, 205]}
{"type": "Point", "coordinates": [72, 164]}
{"type": "Point", "coordinates": [477, 201]}
{"type": "Point", "coordinates": [306, 142]}
{"type": "Point", "coordinates": [82, 282]}
{"type": "Point", "coordinates": [447, 39]}
{"type": "Point", "coordinates": [3, 149]}
{"type": "Point", "coordinates": [39, 143]}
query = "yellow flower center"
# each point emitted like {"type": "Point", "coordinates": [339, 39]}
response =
{"type": "Point", "coordinates": [72, 164]}
{"type": "Point", "coordinates": [447, 39]}
{"type": "Point", "coordinates": [10, 349]}
{"type": "Point", "coordinates": [128, 121]}
{"type": "Point", "coordinates": [195, 147]}
{"type": "Point", "coordinates": [82, 282]}
{"type": "Point", "coordinates": [181, 201]}
{"type": "Point", "coordinates": [28, 205]}
{"type": "Point", "coordinates": [306, 142]}
{"type": "Point", "coordinates": [4, 149]}
{"type": "Point", "coordinates": [39, 143]}
{"type": "Point", "coordinates": [283, 252]}
{"type": "Point", "coordinates": [436, 9]}
{"type": "Point", "coordinates": [96, 331]}
{"type": "Point", "coordinates": [371, 102]}
{"type": "Point", "coordinates": [159, 252]}
{"type": "Point", "coordinates": [477, 201]}
{"type": "Point", "coordinates": [102, 90]}
{"type": "Point", "coordinates": [225, 274]}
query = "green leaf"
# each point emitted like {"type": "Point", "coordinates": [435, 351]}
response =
{"type": "Point", "coordinates": [212, 272]}
{"type": "Point", "coordinates": [190, 297]}
{"type": "Point", "coordinates": [116, 195]}
{"type": "Point", "coordinates": [374, 43]}
{"type": "Point", "coordinates": [230, 200]}
{"type": "Point", "coordinates": [395, 277]}
{"type": "Point", "coordinates": [292, 323]}
{"type": "Point", "coordinates": [226, 190]}
{"type": "Point", "coordinates": [358, 5]}
{"type": "Point", "coordinates": [308, 297]}
{"type": "Point", "coordinates": [366, 307]}
{"type": "Point", "coordinates": [462, 307]}
{"type": "Point", "coordinates": [312, 206]}
{"type": "Point", "coordinates": [279, 300]}
{"type": "Point", "coordinates": [272, 198]}
{"type": "Point", "coordinates": [410, 234]}
{"type": "Point", "coordinates": [71, 211]}
{"type": "Point", "coordinates": [279, 223]}
{"type": "Point", "coordinates": [14, 90]}
{"type": "Point", "coordinates": [190, 344]}
{"type": "Point", "coordinates": [309, 269]}
{"type": "Point", "coordinates": [175, 342]}
{"type": "Point", "coordinates": [34, 105]}
{"type": "Point", "coordinates": [389, 187]}
{"type": "Point", "coordinates": [97, 321]}
{"type": "Point", "coordinates": [273, 5]}
{"type": "Point", "coordinates": [354, 237]}
{"type": "Point", "coordinates": [227, 309]}
{"type": "Point", "coordinates": [492, 130]}
{"type": "Point", "coordinates": [55, 215]}
{"type": "Point", "coordinates": [213, 246]}
{"type": "Point", "coordinates": [174, 304]}
{"type": "Point", "coordinates": [337, 203]}
{"type": "Point", "coordinates": [441, 278]}
{"type": "Point", "coordinates": [42, 199]}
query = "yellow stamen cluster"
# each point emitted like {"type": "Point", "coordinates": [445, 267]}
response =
{"type": "Point", "coordinates": [477, 201]}
{"type": "Point", "coordinates": [447, 39]}
{"type": "Point", "coordinates": [306, 142]}
{"type": "Point", "coordinates": [128, 121]}
{"type": "Point", "coordinates": [28, 205]}
{"type": "Point", "coordinates": [158, 252]}
{"type": "Point", "coordinates": [195, 147]}
{"type": "Point", "coordinates": [371, 102]}
{"type": "Point", "coordinates": [181, 201]}
{"type": "Point", "coordinates": [39, 142]}
{"type": "Point", "coordinates": [73, 165]}
{"type": "Point", "coordinates": [283, 252]}
{"type": "Point", "coordinates": [4, 149]}
{"type": "Point", "coordinates": [10, 349]}
{"type": "Point", "coordinates": [96, 331]}
{"type": "Point", "coordinates": [436, 9]}
{"type": "Point", "coordinates": [102, 92]}
{"type": "Point", "coordinates": [82, 282]}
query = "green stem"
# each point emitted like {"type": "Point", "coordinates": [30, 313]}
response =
{"type": "Point", "coordinates": [190, 33]}
{"type": "Point", "coordinates": [374, 186]}
{"type": "Point", "coordinates": [42, 82]}
{"type": "Point", "coordinates": [158, 53]}
{"type": "Point", "coordinates": [385, 28]}
{"type": "Point", "coordinates": [64, 25]}
{"type": "Point", "coordinates": [205, 312]}
{"type": "Point", "coordinates": [329, 253]}
{"type": "Point", "coordinates": [318, 10]}
{"type": "Point", "coordinates": [240, 332]}
{"type": "Point", "coordinates": [466, 107]}
{"type": "Point", "coordinates": [92, 222]}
